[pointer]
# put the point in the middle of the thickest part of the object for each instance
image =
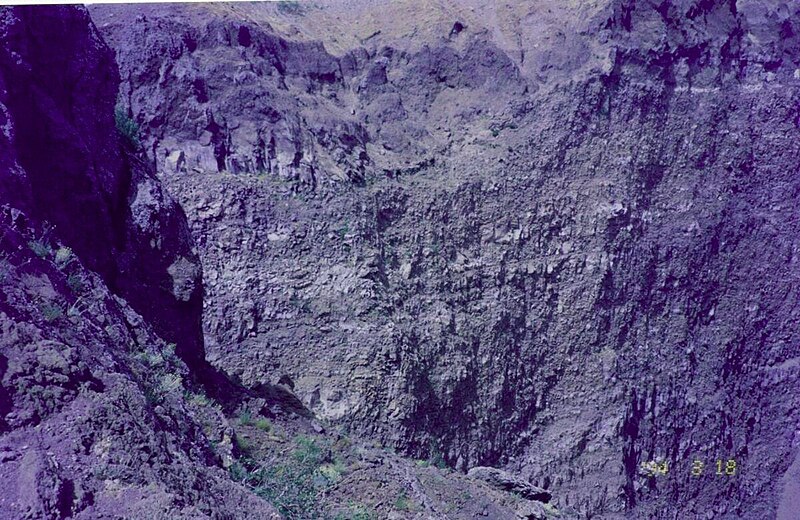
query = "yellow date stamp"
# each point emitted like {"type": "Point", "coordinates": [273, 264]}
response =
{"type": "Point", "coordinates": [698, 468]}
{"type": "Point", "coordinates": [719, 468]}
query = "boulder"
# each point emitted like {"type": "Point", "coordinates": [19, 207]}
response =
{"type": "Point", "coordinates": [505, 481]}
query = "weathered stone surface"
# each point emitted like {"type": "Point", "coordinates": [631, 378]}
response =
{"type": "Point", "coordinates": [98, 416]}
{"type": "Point", "coordinates": [570, 252]}
{"type": "Point", "coordinates": [560, 240]}
{"type": "Point", "coordinates": [65, 163]}
{"type": "Point", "coordinates": [505, 481]}
{"type": "Point", "coordinates": [93, 421]}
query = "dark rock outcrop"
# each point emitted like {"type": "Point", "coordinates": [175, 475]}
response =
{"type": "Point", "coordinates": [64, 163]}
{"type": "Point", "coordinates": [505, 481]}
{"type": "Point", "coordinates": [93, 417]}
{"type": "Point", "coordinates": [94, 422]}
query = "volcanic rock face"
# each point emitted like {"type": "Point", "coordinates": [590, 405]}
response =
{"type": "Point", "coordinates": [100, 415]}
{"type": "Point", "coordinates": [64, 163]}
{"type": "Point", "coordinates": [221, 93]}
{"type": "Point", "coordinates": [572, 273]}
{"type": "Point", "coordinates": [93, 421]}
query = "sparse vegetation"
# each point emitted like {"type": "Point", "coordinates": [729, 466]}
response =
{"type": "Point", "coordinates": [170, 383]}
{"type": "Point", "coordinates": [333, 471]}
{"type": "Point", "coordinates": [40, 247]}
{"type": "Point", "coordinates": [198, 399]}
{"type": "Point", "coordinates": [244, 445]}
{"type": "Point", "coordinates": [78, 308]}
{"type": "Point", "coordinates": [344, 230]}
{"type": "Point", "coordinates": [245, 418]}
{"type": "Point", "coordinates": [263, 424]}
{"type": "Point", "coordinates": [290, 7]}
{"type": "Point", "coordinates": [126, 126]}
{"type": "Point", "coordinates": [76, 283]}
{"type": "Point", "coordinates": [357, 512]}
{"type": "Point", "coordinates": [436, 458]}
{"type": "Point", "coordinates": [163, 372]}
{"type": "Point", "coordinates": [51, 311]}
{"type": "Point", "coordinates": [292, 481]}
{"type": "Point", "coordinates": [402, 503]}
{"type": "Point", "coordinates": [63, 257]}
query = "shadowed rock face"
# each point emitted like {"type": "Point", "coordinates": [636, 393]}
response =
{"type": "Point", "coordinates": [93, 420]}
{"type": "Point", "coordinates": [64, 163]}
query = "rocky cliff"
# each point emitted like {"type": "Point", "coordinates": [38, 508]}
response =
{"type": "Point", "coordinates": [65, 163]}
{"type": "Point", "coordinates": [94, 416]}
{"type": "Point", "coordinates": [107, 406]}
{"type": "Point", "coordinates": [558, 238]}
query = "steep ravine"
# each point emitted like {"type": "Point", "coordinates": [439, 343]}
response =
{"type": "Point", "coordinates": [568, 277]}
{"type": "Point", "coordinates": [94, 416]}
{"type": "Point", "coordinates": [108, 408]}
{"type": "Point", "coordinates": [65, 164]}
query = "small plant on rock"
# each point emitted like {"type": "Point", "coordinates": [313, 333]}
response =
{"type": "Point", "coordinates": [40, 247]}
{"type": "Point", "coordinates": [170, 383]}
{"type": "Point", "coordinates": [51, 311]}
{"type": "Point", "coordinates": [263, 424]}
{"type": "Point", "coordinates": [63, 257]}
{"type": "Point", "coordinates": [198, 399]}
{"type": "Point", "coordinates": [126, 126]}
{"type": "Point", "coordinates": [290, 481]}
{"type": "Point", "coordinates": [76, 283]}
{"type": "Point", "coordinates": [436, 458]}
{"type": "Point", "coordinates": [333, 472]}
{"type": "Point", "coordinates": [403, 503]}
{"type": "Point", "coordinates": [245, 418]}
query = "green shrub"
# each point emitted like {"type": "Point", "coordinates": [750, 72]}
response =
{"type": "Point", "coordinates": [239, 473]}
{"type": "Point", "coordinates": [170, 382]}
{"type": "Point", "coordinates": [126, 126]}
{"type": "Point", "coordinates": [63, 256]}
{"type": "Point", "coordinates": [357, 512]}
{"type": "Point", "coordinates": [436, 458]}
{"type": "Point", "coordinates": [403, 503]}
{"type": "Point", "coordinates": [291, 483]}
{"type": "Point", "coordinates": [245, 418]}
{"type": "Point", "coordinates": [51, 311]}
{"type": "Point", "coordinates": [263, 424]}
{"type": "Point", "coordinates": [40, 247]}
{"type": "Point", "coordinates": [152, 360]}
{"type": "Point", "coordinates": [244, 445]}
{"type": "Point", "coordinates": [198, 399]}
{"type": "Point", "coordinates": [344, 230]}
{"type": "Point", "coordinates": [333, 472]}
{"type": "Point", "coordinates": [76, 283]}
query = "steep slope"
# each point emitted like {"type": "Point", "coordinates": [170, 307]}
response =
{"type": "Point", "coordinates": [64, 163]}
{"type": "Point", "coordinates": [573, 273]}
{"type": "Point", "coordinates": [100, 415]}
{"type": "Point", "coordinates": [93, 420]}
